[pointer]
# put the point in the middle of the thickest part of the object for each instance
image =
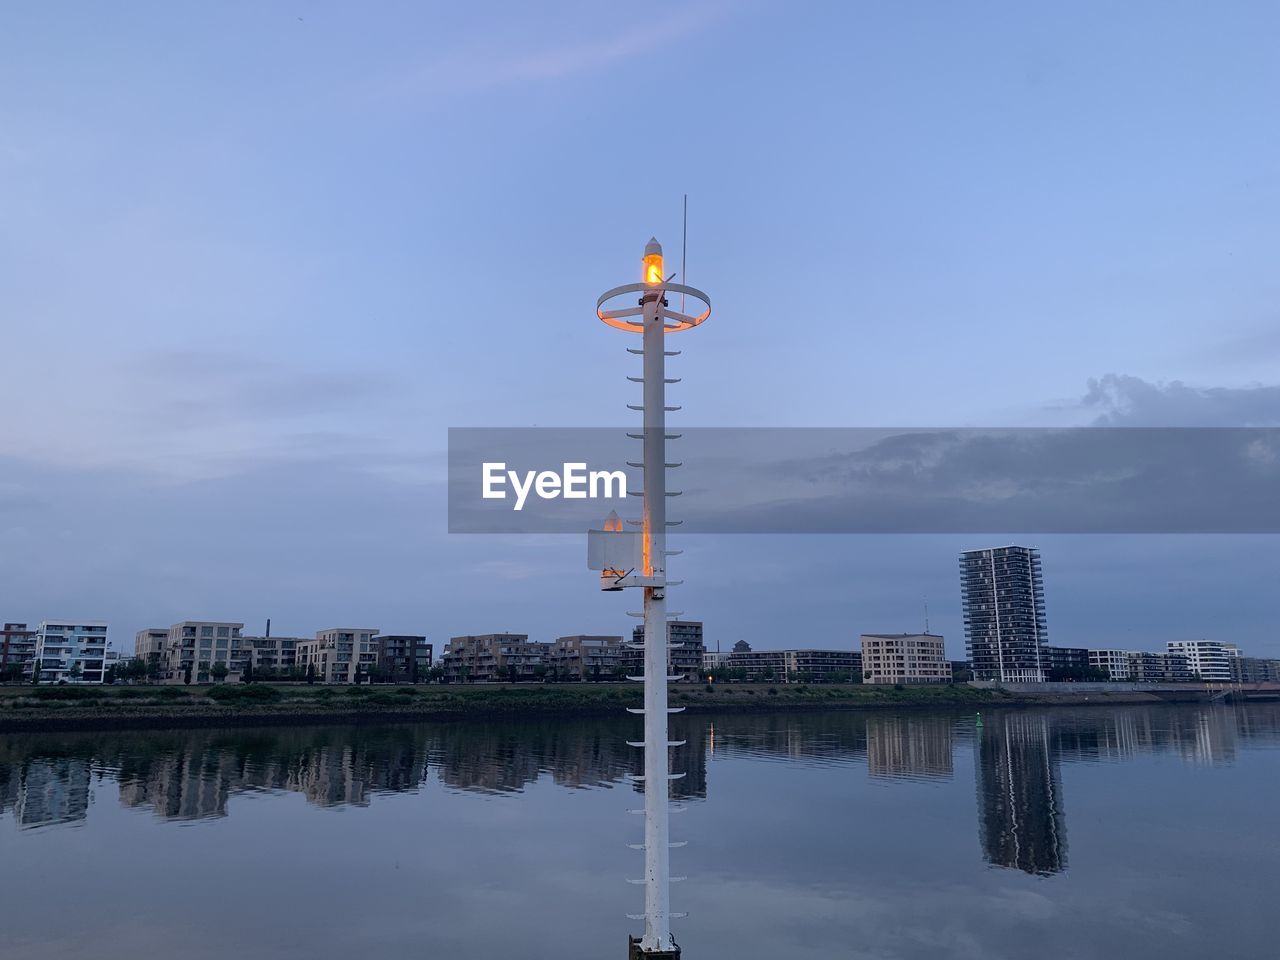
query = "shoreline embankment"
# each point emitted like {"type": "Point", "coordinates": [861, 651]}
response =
{"type": "Point", "coordinates": [70, 708]}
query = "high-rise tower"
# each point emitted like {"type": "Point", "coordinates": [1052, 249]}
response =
{"type": "Point", "coordinates": [1002, 592]}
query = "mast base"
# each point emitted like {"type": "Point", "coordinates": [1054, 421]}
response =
{"type": "Point", "coordinates": [635, 952]}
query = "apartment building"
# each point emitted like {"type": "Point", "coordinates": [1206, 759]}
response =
{"type": "Point", "coordinates": [1065, 663]}
{"type": "Point", "coordinates": [339, 654]}
{"type": "Point", "coordinates": [584, 657]}
{"type": "Point", "coordinates": [785, 665]}
{"type": "Point", "coordinates": [17, 649]}
{"type": "Point", "coordinates": [149, 645]}
{"type": "Point", "coordinates": [714, 660]}
{"type": "Point", "coordinates": [905, 658]}
{"type": "Point", "coordinates": [1255, 670]}
{"type": "Point", "coordinates": [403, 658]}
{"type": "Point", "coordinates": [1002, 594]}
{"type": "Point", "coordinates": [1210, 659]}
{"type": "Point", "coordinates": [273, 655]}
{"type": "Point", "coordinates": [198, 651]}
{"type": "Point", "coordinates": [66, 651]}
{"type": "Point", "coordinates": [487, 657]}
{"type": "Point", "coordinates": [684, 655]}
{"type": "Point", "coordinates": [1115, 663]}
{"type": "Point", "coordinates": [1146, 667]}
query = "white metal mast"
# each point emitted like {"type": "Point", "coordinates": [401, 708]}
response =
{"type": "Point", "coordinates": [618, 560]}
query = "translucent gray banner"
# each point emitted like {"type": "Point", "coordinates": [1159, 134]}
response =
{"type": "Point", "coordinates": [871, 480]}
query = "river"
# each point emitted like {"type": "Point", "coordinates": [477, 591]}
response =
{"type": "Point", "coordinates": [1056, 833]}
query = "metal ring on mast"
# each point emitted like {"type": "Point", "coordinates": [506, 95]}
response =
{"type": "Point", "coordinates": [617, 318]}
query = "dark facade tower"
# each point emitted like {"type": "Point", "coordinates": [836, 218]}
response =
{"type": "Point", "coordinates": [1002, 592]}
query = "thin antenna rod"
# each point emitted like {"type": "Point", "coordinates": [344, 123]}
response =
{"type": "Point", "coordinates": [926, 616]}
{"type": "Point", "coordinates": [684, 250]}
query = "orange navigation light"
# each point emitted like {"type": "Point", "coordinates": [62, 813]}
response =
{"type": "Point", "coordinates": [653, 262]}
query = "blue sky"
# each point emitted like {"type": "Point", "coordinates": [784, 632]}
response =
{"type": "Point", "coordinates": [255, 260]}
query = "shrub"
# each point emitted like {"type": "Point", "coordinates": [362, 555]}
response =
{"type": "Point", "coordinates": [773, 691]}
{"type": "Point", "coordinates": [64, 693]}
{"type": "Point", "coordinates": [255, 693]}
{"type": "Point", "coordinates": [710, 688]}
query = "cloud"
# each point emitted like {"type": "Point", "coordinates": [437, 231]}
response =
{"type": "Point", "coordinates": [193, 389]}
{"type": "Point", "coordinates": [190, 414]}
{"type": "Point", "coordinates": [1259, 346]}
{"type": "Point", "coordinates": [495, 63]}
{"type": "Point", "coordinates": [1126, 401]}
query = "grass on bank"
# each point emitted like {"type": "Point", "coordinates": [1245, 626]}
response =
{"type": "Point", "coordinates": [460, 698]}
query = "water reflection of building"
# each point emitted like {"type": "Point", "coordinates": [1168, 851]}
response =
{"type": "Point", "coordinates": [196, 774]}
{"type": "Point", "coordinates": [913, 746]}
{"type": "Point", "coordinates": [45, 790]}
{"type": "Point", "coordinates": [1020, 816]}
{"type": "Point", "coordinates": [499, 758]}
{"type": "Point", "coordinates": [193, 777]}
{"type": "Point", "coordinates": [835, 737]}
{"type": "Point", "coordinates": [181, 786]}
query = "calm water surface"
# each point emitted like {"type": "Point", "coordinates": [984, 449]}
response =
{"type": "Point", "coordinates": [1062, 833]}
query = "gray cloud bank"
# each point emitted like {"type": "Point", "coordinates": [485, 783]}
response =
{"type": "Point", "coordinates": [1126, 401]}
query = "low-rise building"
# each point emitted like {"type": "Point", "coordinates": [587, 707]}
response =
{"type": "Point", "coordinates": [584, 657]}
{"type": "Point", "coordinates": [204, 651]}
{"type": "Point", "coordinates": [403, 658]}
{"type": "Point", "coordinates": [148, 645]}
{"type": "Point", "coordinates": [905, 658]}
{"type": "Point", "coordinates": [273, 656]}
{"type": "Point", "coordinates": [714, 660]}
{"type": "Point", "coordinates": [1065, 663]}
{"type": "Point", "coordinates": [1208, 659]}
{"type": "Point", "coordinates": [66, 651]}
{"type": "Point", "coordinates": [17, 650]}
{"type": "Point", "coordinates": [339, 654]}
{"type": "Point", "coordinates": [685, 650]}
{"type": "Point", "coordinates": [488, 657]}
{"type": "Point", "coordinates": [796, 664]}
{"type": "Point", "coordinates": [1255, 670]}
{"type": "Point", "coordinates": [1115, 663]}
{"type": "Point", "coordinates": [1147, 667]}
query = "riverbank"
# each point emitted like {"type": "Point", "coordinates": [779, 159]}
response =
{"type": "Point", "coordinates": [260, 704]}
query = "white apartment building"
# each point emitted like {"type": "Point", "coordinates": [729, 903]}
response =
{"type": "Point", "coordinates": [1115, 662]}
{"type": "Point", "coordinates": [71, 652]}
{"type": "Point", "coordinates": [335, 654]}
{"type": "Point", "coordinates": [1211, 659]}
{"type": "Point", "coordinates": [196, 648]}
{"type": "Point", "coordinates": [904, 658]}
